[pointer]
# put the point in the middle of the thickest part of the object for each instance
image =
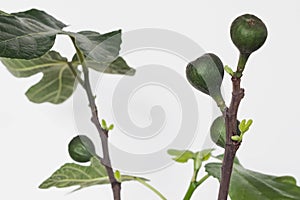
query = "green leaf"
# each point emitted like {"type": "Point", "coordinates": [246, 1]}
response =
{"type": "Point", "coordinates": [181, 156]}
{"type": "Point", "coordinates": [57, 83]}
{"type": "Point", "coordinates": [228, 70]}
{"type": "Point", "coordinates": [72, 174]}
{"type": "Point", "coordinates": [118, 66]}
{"type": "Point", "coordinates": [111, 127]}
{"type": "Point", "coordinates": [118, 175]}
{"type": "Point", "coordinates": [27, 35]}
{"type": "Point", "coordinates": [102, 48]}
{"type": "Point", "coordinates": [101, 52]}
{"type": "Point", "coordinates": [249, 185]}
{"type": "Point", "coordinates": [4, 13]}
{"type": "Point", "coordinates": [200, 157]}
{"type": "Point", "coordinates": [242, 125]}
{"type": "Point", "coordinates": [205, 154]}
{"type": "Point", "coordinates": [287, 179]}
{"type": "Point", "coordinates": [103, 123]}
{"type": "Point", "coordinates": [248, 124]}
{"type": "Point", "coordinates": [236, 138]}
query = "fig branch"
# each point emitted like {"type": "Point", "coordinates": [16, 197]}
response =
{"type": "Point", "coordinates": [103, 133]}
{"type": "Point", "coordinates": [231, 146]}
{"type": "Point", "coordinates": [248, 33]}
{"type": "Point", "coordinates": [206, 73]}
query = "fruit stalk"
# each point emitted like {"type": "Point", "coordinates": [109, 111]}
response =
{"type": "Point", "coordinates": [231, 146]}
{"type": "Point", "coordinates": [243, 58]}
{"type": "Point", "coordinates": [116, 185]}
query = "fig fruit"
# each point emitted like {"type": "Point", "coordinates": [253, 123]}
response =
{"type": "Point", "coordinates": [248, 33]}
{"type": "Point", "coordinates": [206, 74]}
{"type": "Point", "coordinates": [81, 148]}
{"type": "Point", "coordinates": [218, 131]}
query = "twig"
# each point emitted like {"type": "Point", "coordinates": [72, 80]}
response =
{"type": "Point", "coordinates": [116, 186]}
{"type": "Point", "coordinates": [231, 130]}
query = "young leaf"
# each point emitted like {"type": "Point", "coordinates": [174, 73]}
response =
{"type": "Point", "coordinates": [236, 138]}
{"type": "Point", "coordinates": [229, 70]}
{"type": "Point", "coordinates": [83, 176]}
{"type": "Point", "coordinates": [246, 184]}
{"type": "Point", "coordinates": [181, 156]}
{"type": "Point", "coordinates": [248, 124]}
{"type": "Point", "coordinates": [111, 127]}
{"type": "Point", "coordinates": [205, 154]}
{"type": "Point", "coordinates": [103, 123]}
{"type": "Point", "coordinates": [200, 157]}
{"type": "Point", "coordinates": [242, 125]}
{"type": "Point", "coordinates": [27, 35]}
{"type": "Point", "coordinates": [118, 175]}
{"type": "Point", "coordinates": [57, 83]}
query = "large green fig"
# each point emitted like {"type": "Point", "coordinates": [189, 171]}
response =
{"type": "Point", "coordinates": [206, 74]}
{"type": "Point", "coordinates": [81, 148]}
{"type": "Point", "coordinates": [248, 33]}
{"type": "Point", "coordinates": [218, 131]}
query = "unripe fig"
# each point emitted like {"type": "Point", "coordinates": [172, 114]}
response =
{"type": "Point", "coordinates": [248, 33]}
{"type": "Point", "coordinates": [81, 148]}
{"type": "Point", "coordinates": [206, 74]}
{"type": "Point", "coordinates": [218, 131]}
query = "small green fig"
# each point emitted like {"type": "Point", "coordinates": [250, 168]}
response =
{"type": "Point", "coordinates": [206, 74]}
{"type": "Point", "coordinates": [248, 33]}
{"type": "Point", "coordinates": [81, 148]}
{"type": "Point", "coordinates": [218, 131]}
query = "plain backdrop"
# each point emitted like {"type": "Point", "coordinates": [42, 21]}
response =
{"type": "Point", "coordinates": [34, 137]}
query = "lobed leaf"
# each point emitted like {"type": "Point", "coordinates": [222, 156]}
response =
{"type": "Point", "coordinates": [72, 174]}
{"type": "Point", "coordinates": [57, 83]}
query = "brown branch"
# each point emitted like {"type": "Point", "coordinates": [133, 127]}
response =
{"type": "Point", "coordinates": [231, 130]}
{"type": "Point", "coordinates": [116, 186]}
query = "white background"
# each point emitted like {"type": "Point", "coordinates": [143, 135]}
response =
{"type": "Point", "coordinates": [34, 137]}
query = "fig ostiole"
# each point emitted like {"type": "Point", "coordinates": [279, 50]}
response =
{"type": "Point", "coordinates": [206, 75]}
{"type": "Point", "coordinates": [248, 33]}
{"type": "Point", "coordinates": [81, 149]}
{"type": "Point", "coordinates": [218, 131]}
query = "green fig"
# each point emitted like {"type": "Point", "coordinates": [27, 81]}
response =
{"type": "Point", "coordinates": [248, 33]}
{"type": "Point", "coordinates": [218, 131]}
{"type": "Point", "coordinates": [81, 148]}
{"type": "Point", "coordinates": [206, 74]}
